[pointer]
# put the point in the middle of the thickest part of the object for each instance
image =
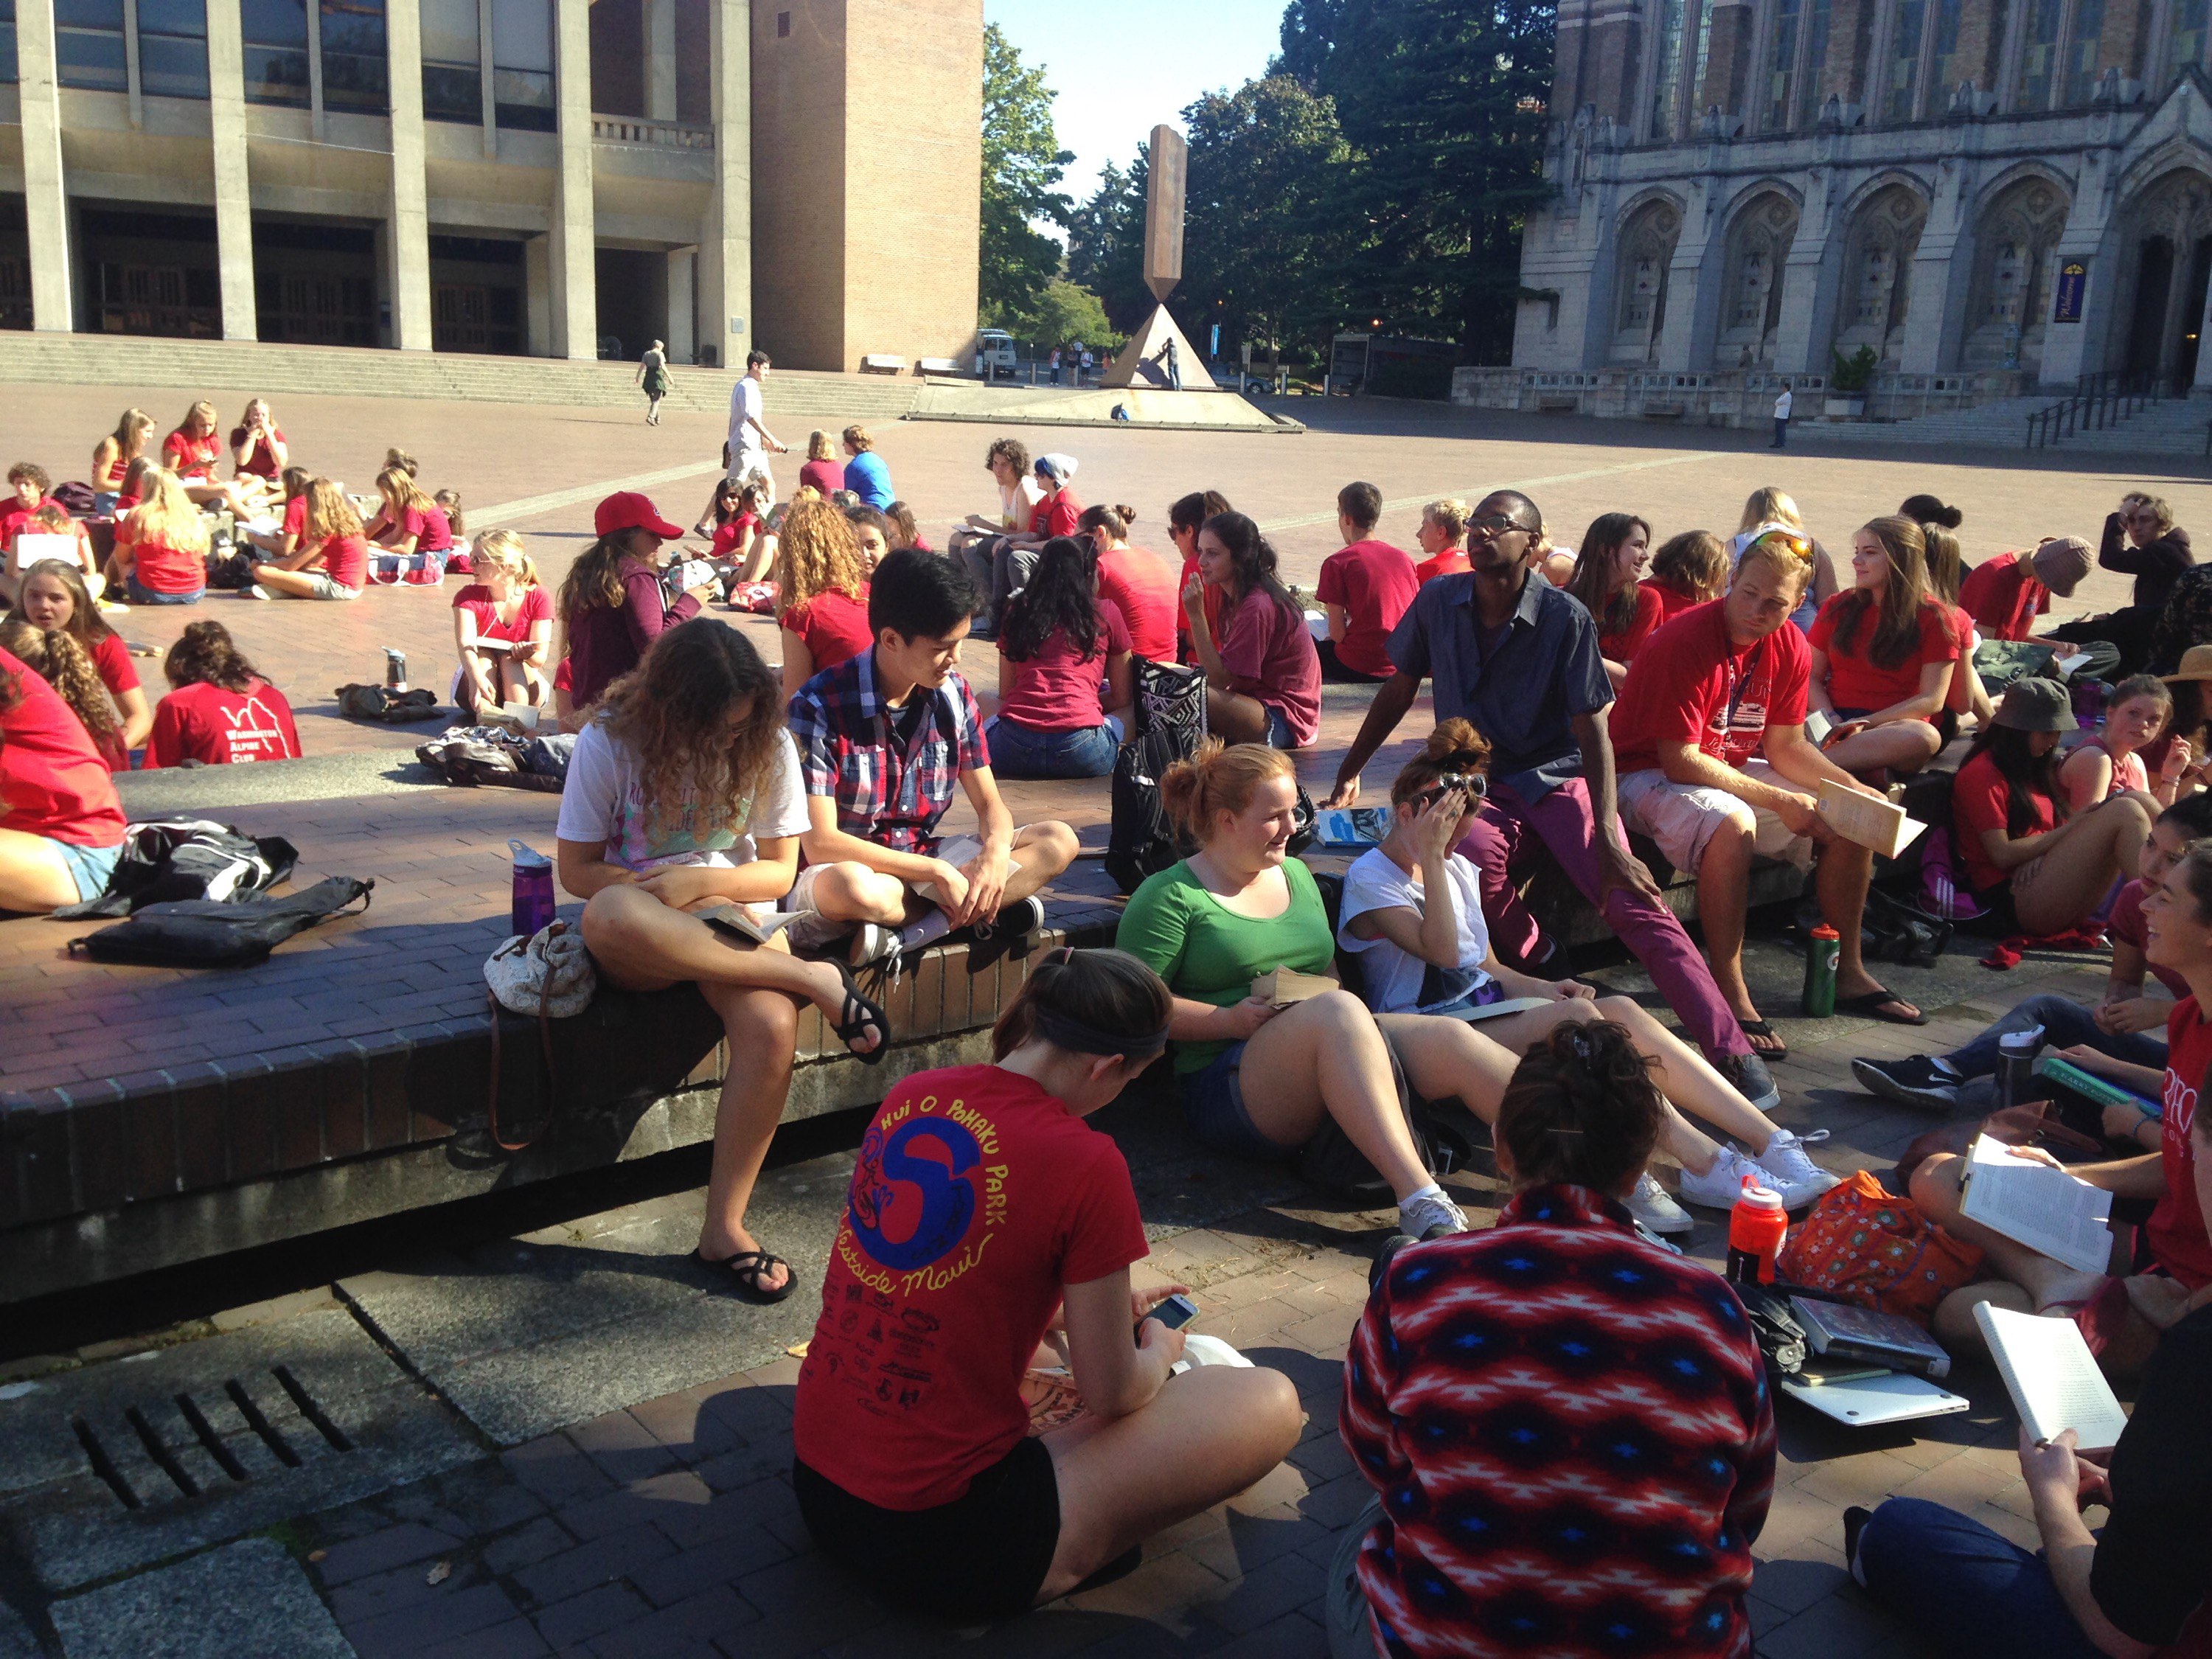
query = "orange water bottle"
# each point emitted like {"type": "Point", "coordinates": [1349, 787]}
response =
{"type": "Point", "coordinates": [1757, 1226]}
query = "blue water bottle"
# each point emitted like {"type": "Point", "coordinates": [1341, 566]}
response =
{"type": "Point", "coordinates": [533, 891]}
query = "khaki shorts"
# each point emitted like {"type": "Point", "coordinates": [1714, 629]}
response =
{"type": "Point", "coordinates": [1682, 817]}
{"type": "Point", "coordinates": [955, 850]}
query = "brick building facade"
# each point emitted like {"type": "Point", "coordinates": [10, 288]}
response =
{"type": "Point", "coordinates": [529, 176]}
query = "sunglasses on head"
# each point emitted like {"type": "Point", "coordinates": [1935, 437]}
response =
{"type": "Point", "coordinates": [1473, 785]}
{"type": "Point", "coordinates": [1800, 545]}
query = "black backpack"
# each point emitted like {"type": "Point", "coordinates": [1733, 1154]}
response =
{"type": "Point", "coordinates": [1170, 716]}
{"type": "Point", "coordinates": [165, 860]}
{"type": "Point", "coordinates": [211, 933]}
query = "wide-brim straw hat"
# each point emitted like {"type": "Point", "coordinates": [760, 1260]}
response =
{"type": "Point", "coordinates": [2196, 665]}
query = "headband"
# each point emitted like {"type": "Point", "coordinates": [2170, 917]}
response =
{"type": "Point", "coordinates": [1079, 1037]}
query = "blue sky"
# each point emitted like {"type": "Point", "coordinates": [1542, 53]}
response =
{"type": "Point", "coordinates": [1121, 67]}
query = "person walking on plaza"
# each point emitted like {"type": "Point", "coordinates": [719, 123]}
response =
{"type": "Point", "coordinates": [1518, 658]}
{"type": "Point", "coordinates": [652, 375]}
{"type": "Point", "coordinates": [1782, 418]}
{"type": "Point", "coordinates": [750, 443]}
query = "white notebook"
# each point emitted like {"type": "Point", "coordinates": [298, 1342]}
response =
{"type": "Point", "coordinates": [2046, 1209]}
{"type": "Point", "coordinates": [2052, 1376]}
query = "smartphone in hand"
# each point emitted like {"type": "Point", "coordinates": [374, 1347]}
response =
{"type": "Point", "coordinates": [1175, 1313]}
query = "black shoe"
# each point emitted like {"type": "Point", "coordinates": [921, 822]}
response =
{"type": "Point", "coordinates": [1747, 1075]}
{"type": "Point", "coordinates": [1854, 1523]}
{"type": "Point", "coordinates": [1006, 934]}
{"type": "Point", "coordinates": [1910, 1082]}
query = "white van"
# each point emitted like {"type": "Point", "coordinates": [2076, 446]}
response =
{"type": "Point", "coordinates": [994, 350]}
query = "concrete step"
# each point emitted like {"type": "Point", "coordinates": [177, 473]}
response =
{"type": "Point", "coordinates": [2171, 427]}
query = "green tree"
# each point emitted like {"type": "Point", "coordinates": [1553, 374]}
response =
{"type": "Point", "coordinates": [1106, 243]}
{"type": "Point", "coordinates": [1067, 312]}
{"type": "Point", "coordinates": [1022, 162]}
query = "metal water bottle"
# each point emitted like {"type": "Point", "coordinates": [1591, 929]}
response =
{"type": "Point", "coordinates": [1821, 953]}
{"type": "Point", "coordinates": [395, 669]}
{"type": "Point", "coordinates": [2016, 1052]}
{"type": "Point", "coordinates": [532, 910]}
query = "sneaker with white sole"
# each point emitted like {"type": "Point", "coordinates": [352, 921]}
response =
{"type": "Point", "coordinates": [872, 943]}
{"type": "Point", "coordinates": [1795, 1177]}
{"type": "Point", "coordinates": [255, 592]}
{"type": "Point", "coordinates": [1430, 1216]}
{"type": "Point", "coordinates": [1015, 921]}
{"type": "Point", "coordinates": [1747, 1075]}
{"type": "Point", "coordinates": [1719, 1187]}
{"type": "Point", "coordinates": [1913, 1081]}
{"type": "Point", "coordinates": [1656, 1208]}
{"type": "Point", "coordinates": [808, 930]}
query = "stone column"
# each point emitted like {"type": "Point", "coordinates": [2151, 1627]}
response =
{"type": "Point", "coordinates": [233, 197]}
{"type": "Point", "coordinates": [575, 245]}
{"type": "Point", "coordinates": [660, 60]}
{"type": "Point", "coordinates": [1934, 326]}
{"type": "Point", "coordinates": [1693, 282]}
{"type": "Point", "coordinates": [45, 195]}
{"type": "Point", "coordinates": [726, 249]}
{"type": "Point", "coordinates": [407, 206]}
{"type": "Point", "coordinates": [1810, 278]}
{"type": "Point", "coordinates": [683, 304]}
{"type": "Point", "coordinates": [538, 296]}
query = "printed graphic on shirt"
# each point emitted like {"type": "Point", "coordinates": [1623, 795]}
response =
{"type": "Point", "coordinates": [250, 732]}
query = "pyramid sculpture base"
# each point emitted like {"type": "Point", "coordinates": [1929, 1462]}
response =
{"type": "Point", "coordinates": [1143, 362]}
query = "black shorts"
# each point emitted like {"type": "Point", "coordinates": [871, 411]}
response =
{"type": "Point", "coordinates": [2003, 921]}
{"type": "Point", "coordinates": [984, 1555]}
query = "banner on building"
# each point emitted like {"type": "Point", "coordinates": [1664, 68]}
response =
{"type": "Point", "coordinates": [2073, 280]}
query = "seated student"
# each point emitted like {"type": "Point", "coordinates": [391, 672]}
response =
{"type": "Point", "coordinates": [1136, 582]}
{"type": "Point", "coordinates": [503, 627]}
{"type": "Point", "coordinates": [1691, 569]}
{"type": "Point", "coordinates": [284, 541]}
{"type": "Point", "coordinates": [684, 796]}
{"type": "Point", "coordinates": [1539, 1487]}
{"type": "Point", "coordinates": [2142, 540]}
{"type": "Point", "coordinates": [822, 470]}
{"type": "Point", "coordinates": [2136, 1588]}
{"type": "Point", "coordinates": [866, 474]}
{"type": "Point", "coordinates": [1365, 587]}
{"type": "Point", "coordinates": [1770, 508]}
{"type": "Point", "coordinates": [448, 501]}
{"type": "Point", "coordinates": [2109, 761]}
{"type": "Point", "coordinates": [613, 605]}
{"type": "Point", "coordinates": [259, 453]}
{"type": "Point", "coordinates": [1259, 1082]}
{"type": "Point", "coordinates": [1187, 516]}
{"type": "Point", "coordinates": [29, 483]}
{"type": "Point", "coordinates": [933, 1492]}
{"type": "Point", "coordinates": [113, 455]}
{"type": "Point", "coordinates": [55, 594]}
{"type": "Point", "coordinates": [222, 712]}
{"type": "Point", "coordinates": [1008, 460]}
{"type": "Point", "coordinates": [409, 522]}
{"type": "Point", "coordinates": [331, 559]}
{"type": "Point", "coordinates": [1263, 679]}
{"type": "Point", "coordinates": [161, 549]}
{"type": "Point", "coordinates": [1413, 915]}
{"type": "Point", "coordinates": [1442, 536]}
{"type": "Point", "coordinates": [2005, 594]}
{"type": "Point", "coordinates": [58, 659]}
{"type": "Point", "coordinates": [2121, 1318]}
{"type": "Point", "coordinates": [1057, 513]}
{"type": "Point", "coordinates": [1715, 766]}
{"type": "Point", "coordinates": [1608, 581]}
{"type": "Point", "coordinates": [905, 533]}
{"type": "Point", "coordinates": [1060, 641]}
{"type": "Point", "coordinates": [823, 586]}
{"type": "Point", "coordinates": [192, 452]}
{"type": "Point", "coordinates": [2125, 1024]}
{"type": "Point", "coordinates": [1966, 698]}
{"type": "Point", "coordinates": [735, 524]}
{"type": "Point", "coordinates": [2035, 868]}
{"type": "Point", "coordinates": [872, 530]}
{"type": "Point", "coordinates": [61, 823]}
{"type": "Point", "coordinates": [52, 520]}
{"type": "Point", "coordinates": [1883, 656]}
{"type": "Point", "coordinates": [886, 738]}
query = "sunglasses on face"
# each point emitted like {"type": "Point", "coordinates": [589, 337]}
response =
{"type": "Point", "coordinates": [1497, 524]}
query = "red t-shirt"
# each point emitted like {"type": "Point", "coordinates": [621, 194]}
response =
{"type": "Point", "coordinates": [1673, 602]}
{"type": "Point", "coordinates": [345, 560]}
{"type": "Point", "coordinates": [828, 477]}
{"type": "Point", "coordinates": [1649, 612]}
{"type": "Point", "coordinates": [2176, 1228]}
{"type": "Point", "coordinates": [976, 1197]}
{"type": "Point", "coordinates": [431, 529]}
{"type": "Point", "coordinates": [14, 516]}
{"type": "Point", "coordinates": [217, 727]}
{"type": "Point", "coordinates": [1374, 582]}
{"type": "Point", "coordinates": [1449, 562]}
{"type": "Point", "coordinates": [260, 461]}
{"type": "Point", "coordinates": [1141, 585]}
{"type": "Point", "coordinates": [537, 607]}
{"type": "Point", "coordinates": [1854, 682]}
{"type": "Point", "coordinates": [833, 625]}
{"type": "Point", "coordinates": [2127, 928]}
{"type": "Point", "coordinates": [54, 781]}
{"type": "Point", "coordinates": [164, 569]}
{"type": "Point", "coordinates": [1689, 685]}
{"type": "Point", "coordinates": [1979, 800]}
{"type": "Point", "coordinates": [1212, 598]}
{"type": "Point", "coordinates": [192, 459]}
{"type": "Point", "coordinates": [730, 536]}
{"type": "Point", "coordinates": [1270, 656]}
{"type": "Point", "coordinates": [1055, 515]}
{"type": "Point", "coordinates": [1056, 690]}
{"type": "Point", "coordinates": [2004, 598]}
{"type": "Point", "coordinates": [295, 517]}
{"type": "Point", "coordinates": [117, 671]}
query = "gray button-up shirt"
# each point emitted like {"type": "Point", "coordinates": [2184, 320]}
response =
{"type": "Point", "coordinates": [1524, 693]}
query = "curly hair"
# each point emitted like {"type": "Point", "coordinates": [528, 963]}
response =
{"type": "Point", "coordinates": [85, 622]}
{"type": "Point", "coordinates": [1061, 597]}
{"type": "Point", "coordinates": [1582, 1109]}
{"type": "Point", "coordinates": [69, 668]}
{"type": "Point", "coordinates": [673, 711]}
{"type": "Point", "coordinates": [204, 655]}
{"type": "Point", "coordinates": [1013, 451]}
{"type": "Point", "coordinates": [817, 553]}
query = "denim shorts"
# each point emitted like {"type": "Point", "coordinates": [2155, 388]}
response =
{"type": "Point", "coordinates": [1279, 735]}
{"type": "Point", "coordinates": [1214, 1111]}
{"type": "Point", "coordinates": [90, 868]}
{"type": "Point", "coordinates": [142, 594]}
{"type": "Point", "coordinates": [1022, 751]}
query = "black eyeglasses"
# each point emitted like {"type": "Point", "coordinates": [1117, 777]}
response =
{"type": "Point", "coordinates": [1473, 785]}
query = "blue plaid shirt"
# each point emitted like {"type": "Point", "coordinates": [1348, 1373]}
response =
{"type": "Point", "coordinates": [888, 790]}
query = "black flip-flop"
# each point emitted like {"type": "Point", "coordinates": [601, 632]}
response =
{"type": "Point", "coordinates": [869, 1016]}
{"type": "Point", "coordinates": [1869, 1006]}
{"type": "Point", "coordinates": [1760, 1028]}
{"type": "Point", "coordinates": [745, 1270]}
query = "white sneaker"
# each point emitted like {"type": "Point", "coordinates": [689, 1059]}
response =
{"type": "Point", "coordinates": [1651, 1204]}
{"type": "Point", "coordinates": [255, 592]}
{"type": "Point", "coordinates": [1719, 1188]}
{"type": "Point", "coordinates": [872, 942]}
{"type": "Point", "coordinates": [1795, 1177]}
{"type": "Point", "coordinates": [810, 930]}
{"type": "Point", "coordinates": [1430, 1213]}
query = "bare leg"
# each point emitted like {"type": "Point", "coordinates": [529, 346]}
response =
{"type": "Point", "coordinates": [32, 874]}
{"type": "Point", "coordinates": [1840, 881]}
{"type": "Point", "coordinates": [763, 1027]}
{"type": "Point", "coordinates": [2070, 879]}
{"type": "Point", "coordinates": [1936, 1189]}
{"type": "Point", "coordinates": [1235, 718]}
{"type": "Point", "coordinates": [1042, 851]}
{"type": "Point", "coordinates": [1723, 900]}
{"type": "Point", "coordinates": [1206, 1436]}
{"type": "Point", "coordinates": [292, 584]}
{"type": "Point", "coordinates": [852, 892]}
{"type": "Point", "coordinates": [1902, 746]}
{"type": "Point", "coordinates": [1325, 1057]}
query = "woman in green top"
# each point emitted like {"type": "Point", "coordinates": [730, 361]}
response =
{"type": "Point", "coordinates": [1259, 1081]}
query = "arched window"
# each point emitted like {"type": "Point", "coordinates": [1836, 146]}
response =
{"type": "Point", "coordinates": [1647, 248]}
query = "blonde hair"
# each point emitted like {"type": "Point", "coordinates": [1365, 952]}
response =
{"type": "Point", "coordinates": [504, 548]}
{"type": "Point", "coordinates": [817, 447]}
{"type": "Point", "coordinates": [1695, 562]}
{"type": "Point", "coordinates": [1769, 505]}
{"type": "Point", "coordinates": [166, 514]}
{"type": "Point", "coordinates": [68, 667]}
{"type": "Point", "coordinates": [329, 513]}
{"type": "Point", "coordinates": [1781, 560]}
{"type": "Point", "coordinates": [201, 404]}
{"type": "Point", "coordinates": [1450, 515]}
{"type": "Point", "coordinates": [2159, 509]}
{"type": "Point", "coordinates": [856, 435]}
{"type": "Point", "coordinates": [817, 552]}
{"type": "Point", "coordinates": [399, 487]}
{"type": "Point", "coordinates": [1218, 779]}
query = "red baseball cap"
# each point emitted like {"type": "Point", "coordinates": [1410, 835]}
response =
{"type": "Point", "coordinates": [628, 509]}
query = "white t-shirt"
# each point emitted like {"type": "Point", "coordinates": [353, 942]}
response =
{"type": "Point", "coordinates": [603, 800]}
{"type": "Point", "coordinates": [744, 410]}
{"type": "Point", "coordinates": [1781, 405]}
{"type": "Point", "coordinates": [1398, 982]}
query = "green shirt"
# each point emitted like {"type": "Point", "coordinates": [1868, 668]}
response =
{"type": "Point", "coordinates": [1207, 952]}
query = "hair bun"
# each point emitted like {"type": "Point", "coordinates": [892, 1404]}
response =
{"type": "Point", "coordinates": [1126, 514]}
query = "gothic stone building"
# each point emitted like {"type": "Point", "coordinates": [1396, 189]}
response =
{"type": "Point", "coordinates": [1995, 197]}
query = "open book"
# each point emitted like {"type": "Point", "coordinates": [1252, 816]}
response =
{"type": "Point", "coordinates": [2053, 1379]}
{"type": "Point", "coordinates": [1866, 820]}
{"type": "Point", "coordinates": [2046, 1209]}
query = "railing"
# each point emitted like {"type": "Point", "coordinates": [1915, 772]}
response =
{"type": "Point", "coordinates": [656, 135]}
{"type": "Point", "coordinates": [2099, 400]}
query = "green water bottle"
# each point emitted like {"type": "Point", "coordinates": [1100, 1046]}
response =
{"type": "Point", "coordinates": [1819, 1001]}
